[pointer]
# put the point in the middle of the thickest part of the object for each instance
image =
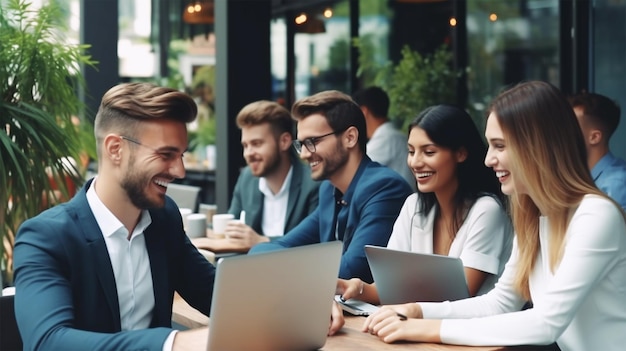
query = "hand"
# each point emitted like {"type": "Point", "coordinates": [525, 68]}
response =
{"type": "Point", "coordinates": [336, 319]}
{"type": "Point", "coordinates": [350, 289]}
{"type": "Point", "coordinates": [242, 235]}
{"type": "Point", "coordinates": [194, 339]}
{"type": "Point", "coordinates": [391, 325]}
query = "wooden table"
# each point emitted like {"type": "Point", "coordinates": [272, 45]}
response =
{"type": "Point", "coordinates": [349, 338]}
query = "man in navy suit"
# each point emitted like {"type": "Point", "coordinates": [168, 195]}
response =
{"type": "Point", "coordinates": [359, 199]}
{"type": "Point", "coordinates": [100, 271]}
{"type": "Point", "coordinates": [275, 190]}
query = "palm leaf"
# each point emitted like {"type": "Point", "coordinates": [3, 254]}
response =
{"type": "Point", "coordinates": [39, 78]}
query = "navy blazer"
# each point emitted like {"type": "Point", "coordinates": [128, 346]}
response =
{"type": "Point", "coordinates": [367, 213]}
{"type": "Point", "coordinates": [66, 296]}
{"type": "Point", "coordinates": [302, 197]}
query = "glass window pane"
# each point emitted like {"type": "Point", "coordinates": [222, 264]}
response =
{"type": "Point", "coordinates": [136, 57]}
{"type": "Point", "coordinates": [510, 41]}
{"type": "Point", "coordinates": [322, 50]}
{"type": "Point", "coordinates": [609, 63]}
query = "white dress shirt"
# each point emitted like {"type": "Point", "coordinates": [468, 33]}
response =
{"type": "Point", "coordinates": [275, 206]}
{"type": "Point", "coordinates": [580, 304]}
{"type": "Point", "coordinates": [483, 241]}
{"type": "Point", "coordinates": [131, 266]}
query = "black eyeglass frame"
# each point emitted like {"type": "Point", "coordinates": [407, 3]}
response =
{"type": "Point", "coordinates": [166, 155]}
{"type": "Point", "coordinates": [310, 143]}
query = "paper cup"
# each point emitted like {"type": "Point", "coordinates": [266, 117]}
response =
{"type": "Point", "coordinates": [220, 221]}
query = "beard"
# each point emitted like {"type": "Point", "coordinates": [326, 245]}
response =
{"type": "Point", "coordinates": [332, 163]}
{"type": "Point", "coordinates": [269, 166]}
{"type": "Point", "coordinates": [135, 184]}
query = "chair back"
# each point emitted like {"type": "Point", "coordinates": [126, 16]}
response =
{"type": "Point", "coordinates": [185, 196]}
{"type": "Point", "coordinates": [11, 339]}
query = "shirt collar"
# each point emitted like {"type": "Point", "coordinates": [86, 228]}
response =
{"type": "Point", "coordinates": [604, 162]}
{"type": "Point", "coordinates": [108, 223]}
{"type": "Point", "coordinates": [265, 189]}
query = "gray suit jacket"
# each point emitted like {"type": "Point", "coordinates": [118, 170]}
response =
{"type": "Point", "coordinates": [303, 193]}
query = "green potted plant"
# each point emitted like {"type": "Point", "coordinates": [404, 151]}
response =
{"type": "Point", "coordinates": [415, 82]}
{"type": "Point", "coordinates": [39, 104]}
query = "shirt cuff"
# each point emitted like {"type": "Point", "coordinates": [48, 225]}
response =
{"type": "Point", "coordinates": [169, 342]}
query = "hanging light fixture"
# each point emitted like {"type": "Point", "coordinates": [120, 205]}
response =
{"type": "Point", "coordinates": [199, 12]}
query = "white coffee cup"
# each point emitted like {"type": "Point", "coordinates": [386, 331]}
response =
{"type": "Point", "coordinates": [184, 212]}
{"type": "Point", "coordinates": [220, 221]}
{"type": "Point", "coordinates": [196, 225]}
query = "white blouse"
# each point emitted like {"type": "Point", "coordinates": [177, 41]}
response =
{"type": "Point", "coordinates": [581, 305]}
{"type": "Point", "coordinates": [483, 241]}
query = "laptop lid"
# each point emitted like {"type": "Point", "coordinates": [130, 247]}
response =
{"type": "Point", "coordinates": [403, 276]}
{"type": "Point", "coordinates": [278, 300]}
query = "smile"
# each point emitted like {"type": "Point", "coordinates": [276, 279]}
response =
{"type": "Point", "coordinates": [424, 174]}
{"type": "Point", "coordinates": [501, 174]}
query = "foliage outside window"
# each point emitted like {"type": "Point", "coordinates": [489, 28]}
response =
{"type": "Point", "coordinates": [39, 104]}
{"type": "Point", "coordinates": [414, 83]}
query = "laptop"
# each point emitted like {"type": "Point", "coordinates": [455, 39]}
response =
{"type": "Point", "coordinates": [403, 276]}
{"type": "Point", "coordinates": [278, 300]}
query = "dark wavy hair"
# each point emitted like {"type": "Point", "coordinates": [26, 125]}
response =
{"type": "Point", "coordinates": [452, 128]}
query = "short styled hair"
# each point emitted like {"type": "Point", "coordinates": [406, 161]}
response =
{"type": "Point", "coordinates": [264, 111]}
{"type": "Point", "coordinates": [340, 111]}
{"type": "Point", "coordinates": [600, 111]}
{"type": "Point", "coordinates": [126, 105]}
{"type": "Point", "coordinates": [375, 99]}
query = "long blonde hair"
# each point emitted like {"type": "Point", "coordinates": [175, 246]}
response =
{"type": "Point", "coordinates": [547, 154]}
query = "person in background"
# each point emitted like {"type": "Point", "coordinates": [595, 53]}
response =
{"type": "Point", "coordinates": [359, 199]}
{"type": "Point", "coordinates": [569, 252]}
{"type": "Point", "coordinates": [275, 190]}
{"type": "Point", "coordinates": [386, 144]}
{"type": "Point", "coordinates": [458, 207]}
{"type": "Point", "coordinates": [598, 117]}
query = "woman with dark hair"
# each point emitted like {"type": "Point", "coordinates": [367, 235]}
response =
{"type": "Point", "coordinates": [458, 208]}
{"type": "Point", "coordinates": [569, 252]}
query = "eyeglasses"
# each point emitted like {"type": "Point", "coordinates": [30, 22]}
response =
{"type": "Point", "coordinates": [310, 143]}
{"type": "Point", "coordinates": [166, 154]}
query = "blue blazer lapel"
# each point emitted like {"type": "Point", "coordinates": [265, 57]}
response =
{"type": "Point", "coordinates": [157, 253]}
{"type": "Point", "coordinates": [95, 243]}
{"type": "Point", "coordinates": [254, 209]}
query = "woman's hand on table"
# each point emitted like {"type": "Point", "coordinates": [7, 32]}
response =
{"type": "Point", "coordinates": [402, 322]}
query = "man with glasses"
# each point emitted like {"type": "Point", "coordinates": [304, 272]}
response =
{"type": "Point", "coordinates": [100, 271]}
{"type": "Point", "coordinates": [275, 190]}
{"type": "Point", "coordinates": [359, 199]}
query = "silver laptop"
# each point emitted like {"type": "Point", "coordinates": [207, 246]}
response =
{"type": "Point", "coordinates": [403, 277]}
{"type": "Point", "coordinates": [278, 300]}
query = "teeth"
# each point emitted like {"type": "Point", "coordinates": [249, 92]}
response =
{"type": "Point", "coordinates": [315, 163]}
{"type": "Point", "coordinates": [501, 174]}
{"type": "Point", "coordinates": [424, 174]}
{"type": "Point", "coordinates": [161, 183]}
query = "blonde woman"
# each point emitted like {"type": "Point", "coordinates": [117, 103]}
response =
{"type": "Point", "coordinates": [569, 254]}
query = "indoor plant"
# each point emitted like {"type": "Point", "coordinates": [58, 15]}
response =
{"type": "Point", "coordinates": [39, 76]}
{"type": "Point", "coordinates": [415, 82]}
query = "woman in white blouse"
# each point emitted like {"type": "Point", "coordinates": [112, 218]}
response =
{"type": "Point", "coordinates": [457, 210]}
{"type": "Point", "coordinates": [569, 253]}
